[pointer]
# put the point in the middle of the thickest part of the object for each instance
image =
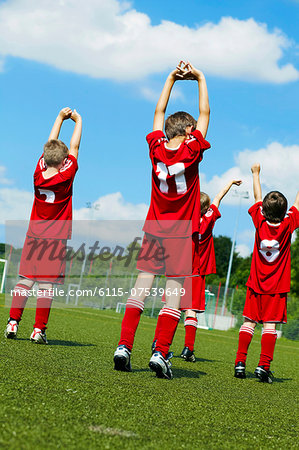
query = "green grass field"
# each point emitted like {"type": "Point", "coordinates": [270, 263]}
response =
{"type": "Point", "coordinates": [66, 395]}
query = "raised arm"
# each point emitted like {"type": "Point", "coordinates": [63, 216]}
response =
{"type": "Point", "coordinates": [257, 190]}
{"type": "Point", "coordinates": [224, 191]}
{"type": "Point", "coordinates": [64, 114]}
{"type": "Point", "coordinates": [296, 204]}
{"type": "Point", "coordinates": [177, 74]}
{"type": "Point", "coordinates": [76, 138]}
{"type": "Point", "coordinates": [204, 107]}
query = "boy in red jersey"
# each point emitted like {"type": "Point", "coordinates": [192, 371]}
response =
{"type": "Point", "coordinates": [270, 275]}
{"type": "Point", "coordinates": [172, 223]}
{"type": "Point", "coordinates": [209, 214]}
{"type": "Point", "coordinates": [43, 254]}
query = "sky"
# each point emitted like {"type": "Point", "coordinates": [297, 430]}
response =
{"type": "Point", "coordinates": [109, 60]}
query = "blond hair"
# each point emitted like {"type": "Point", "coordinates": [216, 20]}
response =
{"type": "Point", "coordinates": [55, 151]}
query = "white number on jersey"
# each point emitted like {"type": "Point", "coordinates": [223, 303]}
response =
{"type": "Point", "coordinates": [50, 195]}
{"type": "Point", "coordinates": [178, 170]}
{"type": "Point", "coordinates": [269, 249]}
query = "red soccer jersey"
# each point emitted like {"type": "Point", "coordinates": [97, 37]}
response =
{"type": "Point", "coordinates": [206, 242]}
{"type": "Point", "coordinates": [270, 271]}
{"type": "Point", "coordinates": [175, 185]}
{"type": "Point", "coordinates": [51, 214]}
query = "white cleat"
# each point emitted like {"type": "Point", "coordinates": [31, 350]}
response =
{"type": "Point", "coordinates": [161, 366]}
{"type": "Point", "coordinates": [38, 336]}
{"type": "Point", "coordinates": [11, 329]}
{"type": "Point", "coordinates": [122, 359]}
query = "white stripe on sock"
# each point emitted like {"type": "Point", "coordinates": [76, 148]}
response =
{"type": "Point", "coordinates": [135, 304]}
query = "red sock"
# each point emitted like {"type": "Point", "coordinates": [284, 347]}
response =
{"type": "Point", "coordinates": [158, 326]}
{"type": "Point", "coordinates": [134, 309]}
{"type": "Point", "coordinates": [169, 322]}
{"type": "Point", "coordinates": [19, 300]}
{"type": "Point", "coordinates": [190, 332]}
{"type": "Point", "coordinates": [268, 344]}
{"type": "Point", "coordinates": [245, 336]}
{"type": "Point", "coordinates": [43, 306]}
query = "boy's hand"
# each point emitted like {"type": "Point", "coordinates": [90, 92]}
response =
{"type": "Point", "coordinates": [237, 182]}
{"type": "Point", "coordinates": [256, 168]}
{"type": "Point", "coordinates": [191, 73]}
{"type": "Point", "coordinates": [75, 116]}
{"type": "Point", "coordinates": [180, 71]}
{"type": "Point", "coordinates": [65, 113]}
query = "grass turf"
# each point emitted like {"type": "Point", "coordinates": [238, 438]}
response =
{"type": "Point", "coordinates": [66, 395]}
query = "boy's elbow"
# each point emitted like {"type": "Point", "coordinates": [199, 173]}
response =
{"type": "Point", "coordinates": [206, 111]}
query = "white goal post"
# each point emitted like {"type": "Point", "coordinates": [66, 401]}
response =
{"type": "Point", "coordinates": [3, 274]}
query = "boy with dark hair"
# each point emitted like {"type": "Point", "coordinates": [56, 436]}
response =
{"type": "Point", "coordinates": [270, 275]}
{"type": "Point", "coordinates": [43, 254]}
{"type": "Point", "coordinates": [209, 214]}
{"type": "Point", "coordinates": [172, 224]}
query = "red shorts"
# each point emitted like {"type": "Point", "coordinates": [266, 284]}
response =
{"type": "Point", "coordinates": [194, 297]}
{"type": "Point", "coordinates": [265, 307]}
{"type": "Point", "coordinates": [44, 260]}
{"type": "Point", "coordinates": [173, 257]}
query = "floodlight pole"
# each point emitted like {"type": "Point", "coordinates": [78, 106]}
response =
{"type": "Point", "coordinates": [241, 195]}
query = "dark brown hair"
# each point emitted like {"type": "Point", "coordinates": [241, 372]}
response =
{"type": "Point", "coordinates": [176, 124]}
{"type": "Point", "coordinates": [275, 206]}
{"type": "Point", "coordinates": [205, 203]}
{"type": "Point", "coordinates": [54, 152]}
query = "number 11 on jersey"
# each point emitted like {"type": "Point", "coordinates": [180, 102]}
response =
{"type": "Point", "coordinates": [178, 170]}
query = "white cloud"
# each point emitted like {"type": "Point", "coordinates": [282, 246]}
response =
{"type": "Point", "coordinates": [243, 250]}
{"type": "Point", "coordinates": [15, 204]}
{"type": "Point", "coordinates": [110, 39]}
{"type": "Point", "coordinates": [279, 171]}
{"type": "Point", "coordinates": [112, 207]}
{"type": "Point", "coordinates": [3, 179]}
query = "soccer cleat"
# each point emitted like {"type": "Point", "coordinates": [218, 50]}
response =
{"type": "Point", "coordinates": [154, 346]}
{"type": "Point", "coordinates": [240, 370]}
{"type": "Point", "coordinates": [38, 336]}
{"type": "Point", "coordinates": [264, 375]}
{"type": "Point", "coordinates": [11, 329]}
{"type": "Point", "coordinates": [161, 366]}
{"type": "Point", "coordinates": [188, 355]}
{"type": "Point", "coordinates": [122, 359]}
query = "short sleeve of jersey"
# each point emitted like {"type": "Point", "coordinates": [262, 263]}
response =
{"type": "Point", "coordinates": [209, 219]}
{"type": "Point", "coordinates": [68, 171]}
{"type": "Point", "coordinates": [293, 214]}
{"type": "Point", "coordinates": [256, 213]}
{"type": "Point", "coordinates": [196, 142]}
{"type": "Point", "coordinates": [154, 140]}
{"type": "Point", "coordinates": [41, 165]}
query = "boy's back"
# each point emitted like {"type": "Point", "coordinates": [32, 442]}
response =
{"type": "Point", "coordinates": [271, 261]}
{"type": "Point", "coordinates": [53, 201]}
{"type": "Point", "coordinates": [175, 183]}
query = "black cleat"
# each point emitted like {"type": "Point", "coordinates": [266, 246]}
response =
{"type": "Point", "coordinates": [122, 359]}
{"type": "Point", "coordinates": [264, 375]}
{"type": "Point", "coordinates": [188, 355]}
{"type": "Point", "coordinates": [240, 370]}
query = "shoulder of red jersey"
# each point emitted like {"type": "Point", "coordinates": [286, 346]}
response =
{"type": "Point", "coordinates": [156, 136]}
{"type": "Point", "coordinates": [71, 161]}
{"type": "Point", "coordinates": [255, 207]}
{"type": "Point", "coordinates": [213, 210]}
{"type": "Point", "coordinates": [197, 138]}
